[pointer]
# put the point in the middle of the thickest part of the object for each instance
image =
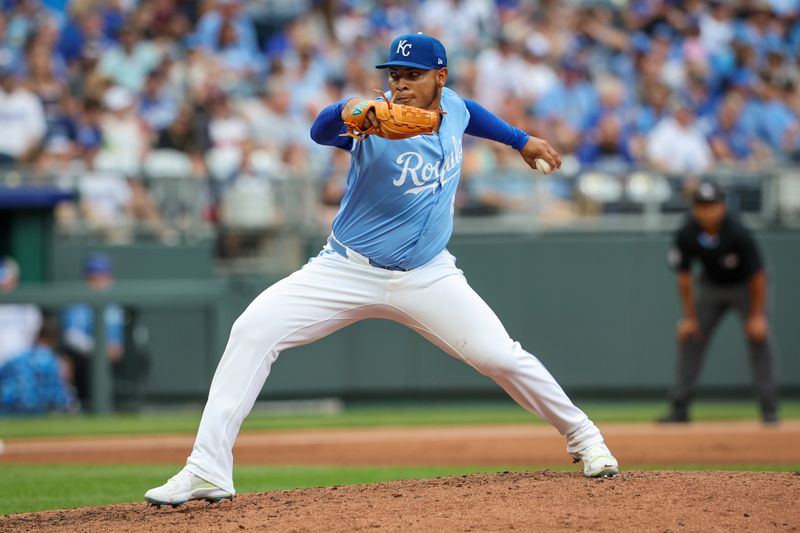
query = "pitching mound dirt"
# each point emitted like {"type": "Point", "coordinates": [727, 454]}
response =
{"type": "Point", "coordinates": [533, 501]}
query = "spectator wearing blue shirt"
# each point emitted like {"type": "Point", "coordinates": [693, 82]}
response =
{"type": "Point", "coordinates": [567, 109]}
{"type": "Point", "coordinates": [88, 133]}
{"type": "Point", "coordinates": [607, 146]}
{"type": "Point", "coordinates": [496, 184]}
{"type": "Point", "coordinates": [757, 29]}
{"type": "Point", "coordinates": [743, 84]}
{"type": "Point", "coordinates": [84, 30]}
{"type": "Point", "coordinates": [778, 126]}
{"type": "Point", "coordinates": [211, 24]}
{"type": "Point", "coordinates": [655, 99]}
{"type": "Point", "coordinates": [793, 37]}
{"type": "Point", "coordinates": [10, 53]}
{"type": "Point", "coordinates": [241, 66]}
{"type": "Point", "coordinates": [733, 145]}
{"type": "Point", "coordinates": [77, 325]}
{"type": "Point", "coordinates": [790, 96]}
{"type": "Point", "coordinates": [612, 100]}
{"type": "Point", "coordinates": [34, 381]}
{"type": "Point", "coordinates": [156, 106]}
{"type": "Point", "coordinates": [391, 17]}
{"type": "Point", "coordinates": [698, 95]}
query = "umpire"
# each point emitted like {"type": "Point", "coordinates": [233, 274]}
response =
{"type": "Point", "coordinates": [733, 277]}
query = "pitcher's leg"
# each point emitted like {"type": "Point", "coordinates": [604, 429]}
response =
{"type": "Point", "coordinates": [297, 310]}
{"type": "Point", "coordinates": [450, 314]}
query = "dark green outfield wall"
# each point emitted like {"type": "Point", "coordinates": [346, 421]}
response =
{"type": "Point", "coordinates": [598, 310]}
{"type": "Point", "coordinates": [140, 261]}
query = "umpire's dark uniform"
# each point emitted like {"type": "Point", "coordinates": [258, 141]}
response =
{"type": "Point", "coordinates": [730, 260]}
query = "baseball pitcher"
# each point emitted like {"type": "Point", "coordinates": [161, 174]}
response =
{"type": "Point", "coordinates": [386, 258]}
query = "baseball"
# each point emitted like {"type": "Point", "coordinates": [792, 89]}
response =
{"type": "Point", "coordinates": [543, 166]}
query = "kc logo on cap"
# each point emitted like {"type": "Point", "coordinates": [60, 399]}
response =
{"type": "Point", "coordinates": [404, 47]}
{"type": "Point", "coordinates": [416, 50]}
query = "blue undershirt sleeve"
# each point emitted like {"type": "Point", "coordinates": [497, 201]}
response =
{"type": "Point", "coordinates": [483, 123]}
{"type": "Point", "coordinates": [328, 127]}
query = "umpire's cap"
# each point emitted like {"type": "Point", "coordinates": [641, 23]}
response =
{"type": "Point", "coordinates": [709, 193]}
{"type": "Point", "coordinates": [416, 50]}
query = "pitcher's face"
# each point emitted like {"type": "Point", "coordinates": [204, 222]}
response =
{"type": "Point", "coordinates": [416, 87]}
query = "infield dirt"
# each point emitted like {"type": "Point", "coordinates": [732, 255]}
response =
{"type": "Point", "coordinates": [530, 501]}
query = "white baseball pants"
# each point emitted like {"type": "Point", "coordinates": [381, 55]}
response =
{"type": "Point", "coordinates": [331, 292]}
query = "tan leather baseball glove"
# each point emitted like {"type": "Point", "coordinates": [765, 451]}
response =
{"type": "Point", "coordinates": [397, 121]}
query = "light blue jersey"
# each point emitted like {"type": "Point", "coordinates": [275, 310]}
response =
{"type": "Point", "coordinates": [398, 206]}
{"type": "Point", "coordinates": [77, 322]}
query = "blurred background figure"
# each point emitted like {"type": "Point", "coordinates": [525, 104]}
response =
{"type": "Point", "coordinates": [36, 381]}
{"type": "Point", "coordinates": [78, 326]}
{"type": "Point", "coordinates": [22, 119]}
{"type": "Point", "coordinates": [185, 124]}
{"type": "Point", "coordinates": [569, 107]}
{"type": "Point", "coordinates": [32, 379]}
{"type": "Point", "coordinates": [733, 278]}
{"type": "Point", "coordinates": [733, 146]}
{"type": "Point", "coordinates": [19, 323]}
{"type": "Point", "coordinates": [129, 62]}
{"type": "Point", "coordinates": [680, 88]}
{"type": "Point", "coordinates": [677, 146]}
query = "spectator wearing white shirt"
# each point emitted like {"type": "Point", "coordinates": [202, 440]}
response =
{"type": "Point", "coordinates": [271, 120]}
{"type": "Point", "coordinates": [125, 134]}
{"type": "Point", "coordinates": [22, 120]}
{"type": "Point", "coordinates": [539, 77]}
{"type": "Point", "coordinates": [716, 27]}
{"type": "Point", "coordinates": [460, 23]}
{"type": "Point", "coordinates": [126, 141]}
{"type": "Point", "coordinates": [677, 145]}
{"type": "Point", "coordinates": [19, 323]}
{"type": "Point", "coordinates": [500, 69]}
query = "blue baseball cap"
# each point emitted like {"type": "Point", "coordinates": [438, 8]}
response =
{"type": "Point", "coordinates": [416, 50]}
{"type": "Point", "coordinates": [5, 269]}
{"type": "Point", "coordinates": [97, 263]}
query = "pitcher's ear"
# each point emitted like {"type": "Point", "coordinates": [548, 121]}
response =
{"type": "Point", "coordinates": [441, 77]}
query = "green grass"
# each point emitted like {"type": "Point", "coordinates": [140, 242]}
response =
{"type": "Point", "coordinates": [44, 487]}
{"type": "Point", "coordinates": [26, 488]}
{"type": "Point", "coordinates": [187, 421]}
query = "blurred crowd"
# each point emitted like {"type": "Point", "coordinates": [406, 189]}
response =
{"type": "Point", "coordinates": [113, 95]}
{"type": "Point", "coordinates": [46, 354]}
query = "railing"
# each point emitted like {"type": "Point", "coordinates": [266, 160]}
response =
{"type": "Point", "coordinates": [190, 294]}
{"type": "Point", "coordinates": [171, 205]}
{"type": "Point", "coordinates": [635, 199]}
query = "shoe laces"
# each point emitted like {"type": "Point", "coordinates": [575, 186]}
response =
{"type": "Point", "coordinates": [594, 451]}
{"type": "Point", "coordinates": [181, 478]}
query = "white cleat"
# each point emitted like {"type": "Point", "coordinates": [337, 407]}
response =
{"type": "Point", "coordinates": [597, 461]}
{"type": "Point", "coordinates": [183, 487]}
